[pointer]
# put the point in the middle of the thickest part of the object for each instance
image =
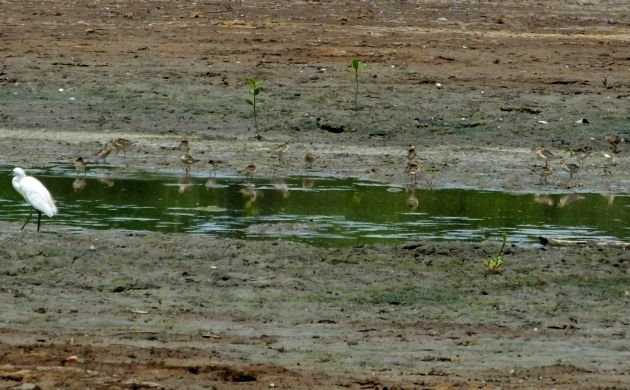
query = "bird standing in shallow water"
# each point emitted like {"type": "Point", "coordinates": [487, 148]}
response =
{"type": "Point", "coordinates": [212, 164]}
{"type": "Point", "coordinates": [34, 192]}
{"type": "Point", "coordinates": [79, 165]}
{"type": "Point", "coordinates": [188, 161]}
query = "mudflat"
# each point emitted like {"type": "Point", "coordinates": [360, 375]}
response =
{"type": "Point", "coordinates": [475, 86]}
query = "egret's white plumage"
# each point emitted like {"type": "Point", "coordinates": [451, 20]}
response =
{"type": "Point", "coordinates": [34, 193]}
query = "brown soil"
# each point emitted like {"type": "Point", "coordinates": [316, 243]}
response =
{"type": "Point", "coordinates": [151, 310]}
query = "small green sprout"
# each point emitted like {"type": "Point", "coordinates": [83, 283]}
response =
{"type": "Point", "coordinates": [255, 88]}
{"type": "Point", "coordinates": [494, 264]}
{"type": "Point", "coordinates": [357, 66]}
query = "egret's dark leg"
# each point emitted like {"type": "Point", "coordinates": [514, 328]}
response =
{"type": "Point", "coordinates": [39, 217]}
{"type": "Point", "coordinates": [27, 219]}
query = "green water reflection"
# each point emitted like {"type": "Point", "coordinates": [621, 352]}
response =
{"type": "Point", "coordinates": [323, 211]}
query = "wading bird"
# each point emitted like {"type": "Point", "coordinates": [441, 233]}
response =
{"type": "Point", "coordinates": [570, 168]}
{"type": "Point", "coordinates": [610, 161]}
{"type": "Point", "coordinates": [545, 154]}
{"type": "Point", "coordinates": [545, 172]}
{"type": "Point", "coordinates": [581, 153]}
{"type": "Point", "coordinates": [250, 169]}
{"type": "Point", "coordinates": [280, 150]}
{"type": "Point", "coordinates": [105, 151]}
{"type": "Point", "coordinates": [188, 161]}
{"type": "Point", "coordinates": [412, 169]}
{"type": "Point", "coordinates": [120, 144]}
{"type": "Point", "coordinates": [35, 194]}
{"type": "Point", "coordinates": [614, 140]}
{"type": "Point", "coordinates": [309, 158]}
{"type": "Point", "coordinates": [79, 165]}
{"type": "Point", "coordinates": [411, 152]}
{"type": "Point", "coordinates": [212, 164]}
{"type": "Point", "coordinates": [184, 146]}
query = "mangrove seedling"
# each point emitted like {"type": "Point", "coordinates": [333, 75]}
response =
{"type": "Point", "coordinates": [255, 88]}
{"type": "Point", "coordinates": [357, 66]}
{"type": "Point", "coordinates": [494, 264]}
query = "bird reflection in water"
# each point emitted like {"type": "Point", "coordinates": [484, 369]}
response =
{"type": "Point", "coordinates": [210, 184]}
{"type": "Point", "coordinates": [308, 183]}
{"type": "Point", "coordinates": [79, 184]}
{"type": "Point", "coordinates": [185, 184]}
{"type": "Point", "coordinates": [107, 180]}
{"type": "Point", "coordinates": [249, 194]}
{"type": "Point", "coordinates": [282, 187]}
{"type": "Point", "coordinates": [412, 199]}
{"type": "Point", "coordinates": [544, 200]}
{"type": "Point", "coordinates": [610, 198]}
{"type": "Point", "coordinates": [568, 200]}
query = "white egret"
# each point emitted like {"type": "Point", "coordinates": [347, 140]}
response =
{"type": "Point", "coordinates": [34, 193]}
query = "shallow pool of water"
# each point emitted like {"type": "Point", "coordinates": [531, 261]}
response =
{"type": "Point", "coordinates": [323, 211]}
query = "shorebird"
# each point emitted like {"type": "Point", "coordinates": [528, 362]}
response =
{"type": "Point", "coordinates": [610, 160]}
{"type": "Point", "coordinates": [79, 165]}
{"type": "Point", "coordinates": [120, 144]}
{"type": "Point", "coordinates": [412, 169]}
{"type": "Point", "coordinates": [606, 84]}
{"type": "Point", "coordinates": [105, 151]}
{"type": "Point", "coordinates": [250, 169]}
{"type": "Point", "coordinates": [280, 150]}
{"type": "Point", "coordinates": [212, 164]}
{"type": "Point", "coordinates": [309, 158]}
{"type": "Point", "coordinates": [184, 146]}
{"type": "Point", "coordinates": [188, 161]}
{"type": "Point", "coordinates": [545, 154]}
{"type": "Point", "coordinates": [570, 168]}
{"type": "Point", "coordinates": [614, 140]}
{"type": "Point", "coordinates": [581, 153]}
{"type": "Point", "coordinates": [545, 172]}
{"type": "Point", "coordinates": [101, 120]}
{"type": "Point", "coordinates": [34, 192]}
{"type": "Point", "coordinates": [411, 152]}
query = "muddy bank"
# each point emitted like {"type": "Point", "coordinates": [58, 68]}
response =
{"type": "Point", "coordinates": [138, 305]}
